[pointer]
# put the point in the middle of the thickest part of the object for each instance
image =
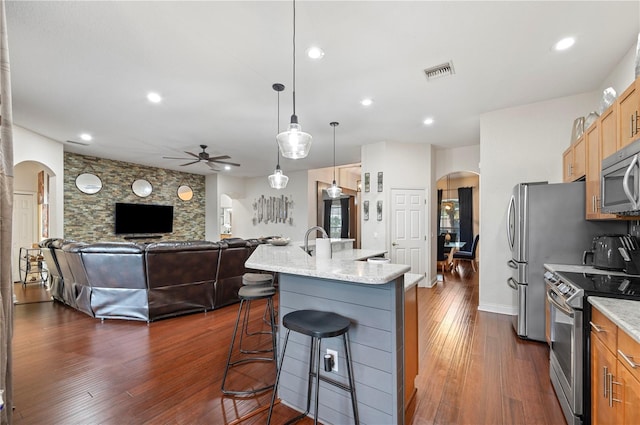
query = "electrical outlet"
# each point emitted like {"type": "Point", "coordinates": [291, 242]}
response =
{"type": "Point", "coordinates": [334, 354]}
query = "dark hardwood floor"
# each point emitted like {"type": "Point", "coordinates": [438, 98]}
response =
{"type": "Point", "coordinates": [71, 369]}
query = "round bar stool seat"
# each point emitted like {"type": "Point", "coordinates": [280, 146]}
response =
{"type": "Point", "coordinates": [317, 325]}
{"type": "Point", "coordinates": [247, 294]}
{"type": "Point", "coordinates": [250, 279]}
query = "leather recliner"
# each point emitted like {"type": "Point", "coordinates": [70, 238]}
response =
{"type": "Point", "coordinates": [180, 277]}
{"type": "Point", "coordinates": [79, 288]}
{"type": "Point", "coordinates": [117, 275]}
{"type": "Point", "coordinates": [54, 275]}
{"type": "Point", "coordinates": [66, 291]}
{"type": "Point", "coordinates": [233, 254]}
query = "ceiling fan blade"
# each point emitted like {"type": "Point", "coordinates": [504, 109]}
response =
{"type": "Point", "coordinates": [192, 154]}
{"type": "Point", "coordinates": [224, 162]}
{"type": "Point", "coordinates": [189, 163]}
{"type": "Point", "coordinates": [175, 157]}
{"type": "Point", "coordinates": [215, 158]}
{"type": "Point", "coordinates": [213, 167]}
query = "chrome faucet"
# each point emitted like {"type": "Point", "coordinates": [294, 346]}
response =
{"type": "Point", "coordinates": [306, 237]}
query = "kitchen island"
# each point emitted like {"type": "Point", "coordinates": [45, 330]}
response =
{"type": "Point", "coordinates": [372, 296]}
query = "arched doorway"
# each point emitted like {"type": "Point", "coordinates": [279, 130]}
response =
{"type": "Point", "coordinates": [32, 214]}
{"type": "Point", "coordinates": [458, 223]}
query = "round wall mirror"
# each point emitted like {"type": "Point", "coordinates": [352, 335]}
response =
{"type": "Point", "coordinates": [142, 188]}
{"type": "Point", "coordinates": [185, 193]}
{"type": "Point", "coordinates": [88, 183]}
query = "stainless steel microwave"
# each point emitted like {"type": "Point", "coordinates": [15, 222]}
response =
{"type": "Point", "coordinates": [620, 181]}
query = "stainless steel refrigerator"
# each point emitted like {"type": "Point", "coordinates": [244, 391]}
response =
{"type": "Point", "coordinates": [546, 224]}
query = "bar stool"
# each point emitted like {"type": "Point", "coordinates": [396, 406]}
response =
{"type": "Point", "coordinates": [317, 325]}
{"type": "Point", "coordinates": [256, 279]}
{"type": "Point", "coordinates": [246, 295]}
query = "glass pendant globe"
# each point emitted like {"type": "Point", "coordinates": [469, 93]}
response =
{"type": "Point", "coordinates": [334, 191]}
{"type": "Point", "coordinates": [294, 143]}
{"type": "Point", "coordinates": [278, 180]}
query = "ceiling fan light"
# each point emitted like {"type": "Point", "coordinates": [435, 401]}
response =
{"type": "Point", "coordinates": [334, 191]}
{"type": "Point", "coordinates": [294, 143]}
{"type": "Point", "coordinates": [278, 180]}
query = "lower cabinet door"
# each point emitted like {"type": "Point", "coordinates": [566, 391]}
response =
{"type": "Point", "coordinates": [629, 390]}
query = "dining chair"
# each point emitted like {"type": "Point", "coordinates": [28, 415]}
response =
{"type": "Point", "coordinates": [467, 255]}
{"type": "Point", "coordinates": [443, 257]}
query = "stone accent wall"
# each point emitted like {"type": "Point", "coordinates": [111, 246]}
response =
{"type": "Point", "coordinates": [91, 218]}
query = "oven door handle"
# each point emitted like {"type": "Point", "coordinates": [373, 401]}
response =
{"type": "Point", "coordinates": [551, 296]}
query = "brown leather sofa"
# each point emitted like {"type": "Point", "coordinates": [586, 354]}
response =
{"type": "Point", "coordinates": [125, 280]}
{"type": "Point", "coordinates": [117, 277]}
{"type": "Point", "coordinates": [181, 277]}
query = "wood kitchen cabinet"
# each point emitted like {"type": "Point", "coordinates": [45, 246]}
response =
{"type": "Point", "coordinates": [629, 114]}
{"type": "Point", "coordinates": [410, 351]}
{"type": "Point", "coordinates": [594, 155]}
{"type": "Point", "coordinates": [615, 374]}
{"type": "Point", "coordinates": [574, 161]}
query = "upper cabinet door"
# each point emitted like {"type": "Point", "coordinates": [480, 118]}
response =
{"type": "Point", "coordinates": [609, 131]}
{"type": "Point", "coordinates": [629, 115]}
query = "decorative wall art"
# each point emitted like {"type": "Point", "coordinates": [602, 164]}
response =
{"type": "Point", "coordinates": [365, 210]}
{"type": "Point", "coordinates": [379, 181]}
{"type": "Point", "coordinates": [366, 182]}
{"type": "Point", "coordinates": [273, 209]}
{"type": "Point", "coordinates": [379, 210]}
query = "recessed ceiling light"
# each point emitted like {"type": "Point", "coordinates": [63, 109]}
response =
{"type": "Point", "coordinates": [564, 44]}
{"type": "Point", "coordinates": [366, 102]}
{"type": "Point", "coordinates": [86, 137]}
{"type": "Point", "coordinates": [154, 97]}
{"type": "Point", "coordinates": [227, 167]}
{"type": "Point", "coordinates": [428, 121]}
{"type": "Point", "coordinates": [315, 52]}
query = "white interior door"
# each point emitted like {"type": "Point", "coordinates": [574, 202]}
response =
{"type": "Point", "coordinates": [24, 226]}
{"type": "Point", "coordinates": [407, 228]}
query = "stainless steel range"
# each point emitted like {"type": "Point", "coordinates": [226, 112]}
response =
{"type": "Point", "coordinates": [569, 317]}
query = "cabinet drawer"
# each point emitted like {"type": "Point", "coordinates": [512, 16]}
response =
{"type": "Point", "coordinates": [629, 348]}
{"type": "Point", "coordinates": [604, 329]}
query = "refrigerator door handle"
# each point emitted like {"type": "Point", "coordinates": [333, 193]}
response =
{"type": "Point", "coordinates": [512, 284]}
{"type": "Point", "coordinates": [625, 184]}
{"type": "Point", "coordinates": [512, 265]}
{"type": "Point", "coordinates": [510, 220]}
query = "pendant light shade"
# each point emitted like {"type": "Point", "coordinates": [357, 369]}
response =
{"type": "Point", "coordinates": [334, 191]}
{"type": "Point", "coordinates": [294, 143]}
{"type": "Point", "coordinates": [278, 180]}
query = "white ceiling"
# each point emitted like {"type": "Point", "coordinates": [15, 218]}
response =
{"type": "Point", "coordinates": [85, 66]}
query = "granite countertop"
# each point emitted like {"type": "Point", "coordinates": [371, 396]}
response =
{"type": "Point", "coordinates": [624, 313]}
{"type": "Point", "coordinates": [344, 265]}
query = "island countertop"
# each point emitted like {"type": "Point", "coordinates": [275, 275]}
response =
{"type": "Point", "coordinates": [345, 265]}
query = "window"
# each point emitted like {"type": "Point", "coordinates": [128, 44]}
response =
{"type": "Point", "coordinates": [335, 219]}
{"type": "Point", "coordinates": [450, 217]}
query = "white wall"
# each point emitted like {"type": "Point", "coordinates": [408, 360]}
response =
{"type": "Point", "coordinates": [29, 146]}
{"type": "Point", "coordinates": [466, 158]}
{"type": "Point", "coordinates": [404, 166]}
{"type": "Point", "coordinates": [622, 75]}
{"type": "Point", "coordinates": [243, 213]}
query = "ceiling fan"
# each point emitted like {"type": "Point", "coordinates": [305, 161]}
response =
{"type": "Point", "coordinates": [211, 161]}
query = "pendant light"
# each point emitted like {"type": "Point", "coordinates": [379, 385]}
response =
{"type": "Point", "coordinates": [278, 180]}
{"type": "Point", "coordinates": [294, 143]}
{"type": "Point", "coordinates": [334, 191]}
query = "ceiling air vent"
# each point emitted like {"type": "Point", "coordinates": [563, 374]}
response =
{"type": "Point", "coordinates": [438, 71]}
{"type": "Point", "coordinates": [73, 142]}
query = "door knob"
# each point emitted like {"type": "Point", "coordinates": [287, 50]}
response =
{"type": "Point", "coordinates": [394, 244]}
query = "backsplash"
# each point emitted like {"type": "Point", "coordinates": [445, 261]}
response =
{"type": "Point", "coordinates": [90, 218]}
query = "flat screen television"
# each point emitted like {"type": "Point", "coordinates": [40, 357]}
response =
{"type": "Point", "coordinates": [143, 218]}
